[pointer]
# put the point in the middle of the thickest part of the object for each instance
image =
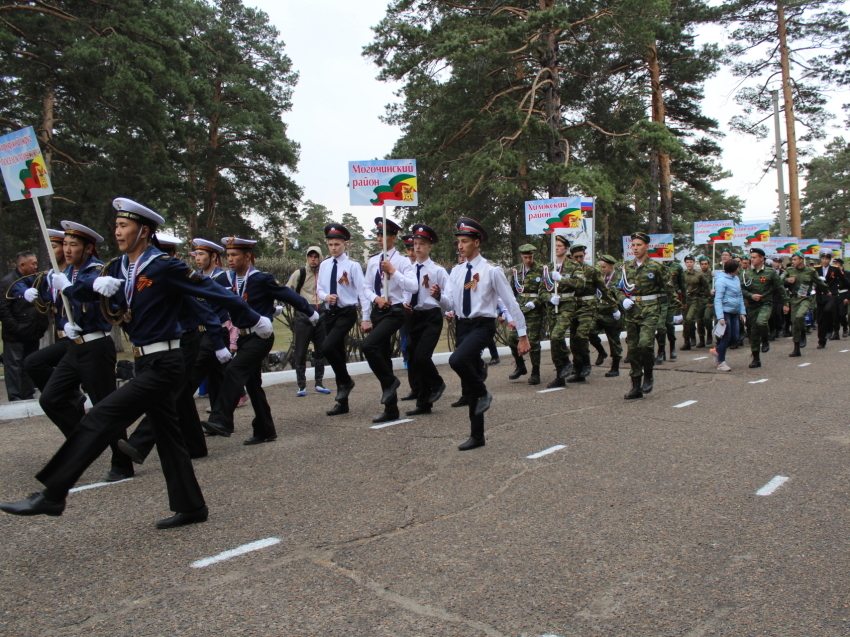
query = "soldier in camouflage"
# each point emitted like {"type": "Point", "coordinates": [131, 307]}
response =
{"type": "Point", "coordinates": [609, 319]}
{"type": "Point", "coordinates": [528, 281]}
{"type": "Point", "coordinates": [801, 281]}
{"type": "Point", "coordinates": [561, 308]}
{"type": "Point", "coordinates": [759, 284]}
{"type": "Point", "coordinates": [671, 307]}
{"type": "Point", "coordinates": [705, 324]}
{"type": "Point", "coordinates": [698, 288]}
{"type": "Point", "coordinates": [642, 283]}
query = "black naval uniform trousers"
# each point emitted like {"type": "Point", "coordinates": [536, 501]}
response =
{"type": "Point", "coordinates": [473, 335]}
{"type": "Point", "coordinates": [423, 334]}
{"type": "Point", "coordinates": [245, 370]}
{"type": "Point", "coordinates": [206, 364]}
{"type": "Point", "coordinates": [154, 318]}
{"type": "Point", "coordinates": [827, 306]}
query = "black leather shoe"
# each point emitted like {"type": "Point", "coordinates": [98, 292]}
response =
{"type": "Point", "coordinates": [485, 370]}
{"type": "Point", "coordinates": [685, 348]}
{"type": "Point", "coordinates": [472, 443]}
{"type": "Point", "coordinates": [558, 382]}
{"type": "Point", "coordinates": [576, 378]}
{"type": "Point", "coordinates": [115, 475]}
{"type": "Point", "coordinates": [796, 351]}
{"type": "Point", "coordinates": [566, 370]}
{"type": "Point", "coordinates": [821, 345]}
{"type": "Point", "coordinates": [179, 519]}
{"type": "Point", "coordinates": [483, 403]}
{"type": "Point", "coordinates": [765, 347]}
{"type": "Point", "coordinates": [342, 391]}
{"type": "Point", "coordinates": [215, 429]}
{"type": "Point", "coordinates": [386, 417]}
{"type": "Point", "coordinates": [411, 396]}
{"type": "Point", "coordinates": [519, 370]}
{"type": "Point", "coordinates": [438, 393]}
{"type": "Point", "coordinates": [495, 361]}
{"type": "Point", "coordinates": [390, 391]}
{"type": "Point", "coordinates": [460, 402]}
{"type": "Point", "coordinates": [418, 411]}
{"type": "Point", "coordinates": [756, 362]}
{"type": "Point", "coordinates": [648, 383]}
{"type": "Point", "coordinates": [131, 451]}
{"type": "Point", "coordinates": [600, 359]}
{"type": "Point", "coordinates": [339, 408]}
{"type": "Point", "coordinates": [835, 337]}
{"type": "Point", "coordinates": [534, 379]}
{"type": "Point", "coordinates": [585, 369]}
{"type": "Point", "coordinates": [660, 358]}
{"type": "Point", "coordinates": [36, 504]}
{"type": "Point", "coordinates": [700, 345]}
{"type": "Point", "coordinates": [254, 440]}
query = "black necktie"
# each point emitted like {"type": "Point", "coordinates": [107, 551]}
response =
{"type": "Point", "coordinates": [333, 278]}
{"type": "Point", "coordinates": [467, 292]}
{"type": "Point", "coordinates": [415, 298]}
{"type": "Point", "coordinates": [378, 286]}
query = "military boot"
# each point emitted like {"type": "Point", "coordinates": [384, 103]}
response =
{"type": "Point", "coordinates": [565, 370]}
{"type": "Point", "coordinates": [520, 369]}
{"type": "Point", "coordinates": [796, 352]}
{"type": "Point", "coordinates": [803, 340]}
{"type": "Point", "coordinates": [835, 336]}
{"type": "Point", "coordinates": [576, 376]}
{"type": "Point", "coordinates": [673, 354]}
{"type": "Point", "coordinates": [636, 391]}
{"type": "Point", "coordinates": [602, 355]}
{"type": "Point", "coordinates": [709, 339]}
{"type": "Point", "coordinates": [687, 346]}
{"type": "Point", "coordinates": [558, 382]}
{"type": "Point", "coordinates": [615, 368]}
{"type": "Point", "coordinates": [585, 367]}
{"type": "Point", "coordinates": [662, 356]}
{"type": "Point", "coordinates": [756, 362]}
{"type": "Point", "coordinates": [648, 380]}
{"type": "Point", "coordinates": [534, 379]}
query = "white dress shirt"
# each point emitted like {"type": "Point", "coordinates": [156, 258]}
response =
{"type": "Point", "coordinates": [401, 281]}
{"type": "Point", "coordinates": [491, 286]}
{"type": "Point", "coordinates": [349, 275]}
{"type": "Point", "coordinates": [436, 275]}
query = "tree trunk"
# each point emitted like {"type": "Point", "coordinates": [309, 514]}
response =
{"type": "Point", "coordinates": [212, 169]}
{"type": "Point", "coordinates": [45, 134]}
{"type": "Point", "coordinates": [658, 115]}
{"type": "Point", "coordinates": [556, 148]}
{"type": "Point", "coordinates": [653, 193]}
{"type": "Point", "coordinates": [790, 133]}
{"type": "Point", "coordinates": [193, 176]}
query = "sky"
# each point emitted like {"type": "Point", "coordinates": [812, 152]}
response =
{"type": "Point", "coordinates": [338, 103]}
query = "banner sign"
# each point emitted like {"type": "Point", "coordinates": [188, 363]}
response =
{"type": "Point", "coordinates": [747, 234]}
{"type": "Point", "coordinates": [660, 247]}
{"type": "Point", "coordinates": [22, 166]}
{"type": "Point", "coordinates": [556, 216]}
{"type": "Point", "coordinates": [847, 250]}
{"type": "Point", "coordinates": [707, 232]}
{"type": "Point", "coordinates": [778, 246]}
{"type": "Point", "coordinates": [390, 182]}
{"type": "Point", "coordinates": [832, 244]}
{"type": "Point", "coordinates": [810, 247]}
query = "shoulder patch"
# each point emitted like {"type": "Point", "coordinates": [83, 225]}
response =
{"type": "Point", "coordinates": [193, 275]}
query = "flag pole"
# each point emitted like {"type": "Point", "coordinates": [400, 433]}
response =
{"type": "Point", "coordinates": [384, 251]}
{"type": "Point", "coordinates": [50, 254]}
{"type": "Point", "coordinates": [554, 269]}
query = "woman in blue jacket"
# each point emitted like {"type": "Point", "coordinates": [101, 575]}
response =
{"type": "Point", "coordinates": [728, 305]}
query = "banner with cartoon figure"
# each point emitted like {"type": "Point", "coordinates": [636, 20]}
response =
{"type": "Point", "coordinates": [747, 234]}
{"type": "Point", "coordinates": [388, 182]}
{"type": "Point", "coordinates": [832, 244]}
{"type": "Point", "coordinates": [660, 247]}
{"type": "Point", "coordinates": [22, 166]}
{"type": "Point", "coordinates": [707, 232]}
{"type": "Point", "coordinates": [810, 247]}
{"type": "Point", "coordinates": [556, 216]}
{"type": "Point", "coordinates": [778, 246]}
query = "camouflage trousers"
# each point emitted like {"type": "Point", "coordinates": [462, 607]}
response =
{"type": "Point", "coordinates": [758, 322]}
{"type": "Point", "coordinates": [799, 308]}
{"type": "Point", "coordinates": [533, 326]}
{"type": "Point", "coordinates": [559, 325]}
{"type": "Point", "coordinates": [641, 325]}
{"type": "Point", "coordinates": [611, 327]}
{"type": "Point", "coordinates": [694, 314]}
{"type": "Point", "coordinates": [581, 325]}
{"type": "Point", "coordinates": [705, 325]}
{"type": "Point", "coordinates": [665, 328]}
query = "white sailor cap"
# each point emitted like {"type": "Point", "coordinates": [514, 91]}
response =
{"type": "Point", "coordinates": [79, 230]}
{"type": "Point", "coordinates": [168, 240]}
{"type": "Point", "coordinates": [208, 245]}
{"type": "Point", "coordinates": [55, 234]}
{"type": "Point", "coordinates": [137, 212]}
{"type": "Point", "coordinates": [236, 242]}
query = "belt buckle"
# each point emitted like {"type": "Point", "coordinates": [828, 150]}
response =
{"type": "Point", "coordinates": [79, 340]}
{"type": "Point", "coordinates": [137, 351]}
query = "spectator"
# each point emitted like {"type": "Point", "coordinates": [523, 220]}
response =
{"type": "Point", "coordinates": [728, 306]}
{"type": "Point", "coordinates": [23, 325]}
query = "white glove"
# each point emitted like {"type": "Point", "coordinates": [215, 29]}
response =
{"type": "Point", "coordinates": [71, 330]}
{"type": "Point", "coordinates": [555, 300]}
{"type": "Point", "coordinates": [314, 318]}
{"type": "Point", "coordinates": [223, 355]}
{"type": "Point", "coordinates": [627, 304]}
{"type": "Point", "coordinates": [31, 294]}
{"type": "Point", "coordinates": [277, 310]}
{"type": "Point", "coordinates": [677, 320]}
{"type": "Point", "coordinates": [530, 305]}
{"type": "Point", "coordinates": [617, 315]}
{"type": "Point", "coordinates": [556, 276]}
{"type": "Point", "coordinates": [105, 285]}
{"type": "Point", "coordinates": [60, 281]}
{"type": "Point", "coordinates": [264, 328]}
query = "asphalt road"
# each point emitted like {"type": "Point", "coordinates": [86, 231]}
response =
{"type": "Point", "coordinates": [646, 523]}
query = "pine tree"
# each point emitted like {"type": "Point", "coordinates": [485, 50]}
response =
{"type": "Point", "coordinates": [826, 205]}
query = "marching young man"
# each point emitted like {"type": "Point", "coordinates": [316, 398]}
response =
{"type": "Point", "coordinates": [428, 303]}
{"type": "Point", "coordinates": [259, 290]}
{"type": "Point", "coordinates": [145, 287]}
{"type": "Point", "coordinates": [476, 287]}
{"type": "Point", "coordinates": [383, 313]}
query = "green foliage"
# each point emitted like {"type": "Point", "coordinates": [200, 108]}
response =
{"type": "Point", "coordinates": [826, 204]}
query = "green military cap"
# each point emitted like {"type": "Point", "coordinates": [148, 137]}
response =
{"type": "Point", "coordinates": [702, 257]}
{"type": "Point", "coordinates": [527, 248]}
{"type": "Point", "coordinates": [689, 257]}
{"type": "Point", "coordinates": [607, 258]}
{"type": "Point", "coordinates": [578, 248]}
{"type": "Point", "coordinates": [797, 253]}
{"type": "Point", "coordinates": [642, 236]}
{"type": "Point", "coordinates": [757, 251]}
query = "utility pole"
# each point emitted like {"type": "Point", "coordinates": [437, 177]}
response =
{"type": "Point", "coordinates": [783, 217]}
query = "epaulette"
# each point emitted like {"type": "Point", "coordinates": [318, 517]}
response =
{"type": "Point", "coordinates": [107, 264]}
{"type": "Point", "coordinates": [376, 254]}
{"type": "Point", "coordinates": [193, 275]}
{"type": "Point", "coordinates": [164, 256]}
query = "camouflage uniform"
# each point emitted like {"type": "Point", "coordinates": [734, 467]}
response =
{"type": "Point", "coordinates": [806, 279]}
{"type": "Point", "coordinates": [561, 317]}
{"type": "Point", "coordinates": [528, 287]}
{"type": "Point", "coordinates": [698, 289]}
{"type": "Point", "coordinates": [670, 306]}
{"type": "Point", "coordinates": [705, 325]}
{"type": "Point", "coordinates": [767, 283]}
{"type": "Point", "coordinates": [605, 321]}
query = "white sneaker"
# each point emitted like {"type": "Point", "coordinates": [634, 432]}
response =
{"type": "Point", "coordinates": [723, 367]}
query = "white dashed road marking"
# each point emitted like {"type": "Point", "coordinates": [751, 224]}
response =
{"type": "Point", "coordinates": [760, 380]}
{"type": "Point", "coordinates": [773, 485]}
{"type": "Point", "coordinates": [239, 550]}
{"type": "Point", "coordinates": [545, 452]}
{"type": "Point", "coordinates": [390, 424]}
{"type": "Point", "coordinates": [701, 358]}
{"type": "Point", "coordinates": [545, 391]}
{"type": "Point", "coordinates": [803, 364]}
{"type": "Point", "coordinates": [97, 484]}
{"type": "Point", "coordinates": [684, 404]}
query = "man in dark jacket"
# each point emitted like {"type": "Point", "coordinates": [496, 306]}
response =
{"type": "Point", "coordinates": [23, 325]}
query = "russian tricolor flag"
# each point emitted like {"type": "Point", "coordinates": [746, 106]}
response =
{"type": "Point", "coordinates": [586, 204]}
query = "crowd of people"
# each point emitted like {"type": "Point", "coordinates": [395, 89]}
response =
{"type": "Point", "coordinates": [215, 325]}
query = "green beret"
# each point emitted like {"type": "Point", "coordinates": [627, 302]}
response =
{"type": "Point", "coordinates": [797, 253]}
{"type": "Point", "coordinates": [702, 258]}
{"type": "Point", "coordinates": [607, 258]}
{"type": "Point", "coordinates": [578, 248]}
{"type": "Point", "coordinates": [527, 248]}
{"type": "Point", "coordinates": [642, 236]}
{"type": "Point", "coordinates": [689, 257]}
